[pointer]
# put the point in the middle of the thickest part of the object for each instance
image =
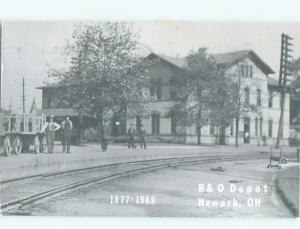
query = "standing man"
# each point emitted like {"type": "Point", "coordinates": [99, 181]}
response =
{"type": "Point", "coordinates": [142, 134]}
{"type": "Point", "coordinates": [49, 128]}
{"type": "Point", "coordinates": [67, 127]}
{"type": "Point", "coordinates": [104, 136]}
{"type": "Point", "coordinates": [131, 135]}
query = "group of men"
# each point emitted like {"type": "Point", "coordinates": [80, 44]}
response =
{"type": "Point", "coordinates": [141, 134]}
{"type": "Point", "coordinates": [132, 135]}
{"type": "Point", "coordinates": [67, 126]}
{"type": "Point", "coordinates": [51, 127]}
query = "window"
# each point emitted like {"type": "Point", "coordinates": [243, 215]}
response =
{"type": "Point", "coordinates": [173, 93]}
{"type": "Point", "coordinates": [247, 96]}
{"type": "Point", "coordinates": [232, 129]}
{"type": "Point", "coordinates": [173, 124]}
{"type": "Point", "coordinates": [242, 70]}
{"type": "Point", "coordinates": [155, 119]}
{"type": "Point", "coordinates": [270, 128]}
{"type": "Point", "coordinates": [270, 99]}
{"type": "Point", "coordinates": [156, 89]}
{"type": "Point", "coordinates": [251, 71]}
{"type": "Point", "coordinates": [261, 127]}
{"type": "Point", "coordinates": [258, 97]}
{"type": "Point", "coordinates": [49, 103]}
{"type": "Point", "coordinates": [212, 129]}
{"type": "Point", "coordinates": [246, 70]}
{"type": "Point", "coordinates": [256, 127]}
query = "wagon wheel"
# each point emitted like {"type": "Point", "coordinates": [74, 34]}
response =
{"type": "Point", "coordinates": [7, 145]}
{"type": "Point", "coordinates": [283, 161]}
{"type": "Point", "coordinates": [43, 144]}
{"type": "Point", "coordinates": [36, 144]}
{"type": "Point", "coordinates": [17, 145]}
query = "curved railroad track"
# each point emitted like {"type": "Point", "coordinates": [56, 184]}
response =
{"type": "Point", "coordinates": [129, 169]}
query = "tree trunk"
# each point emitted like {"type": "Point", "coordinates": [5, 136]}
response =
{"type": "Point", "coordinates": [280, 126]}
{"type": "Point", "coordinates": [199, 135]}
{"type": "Point", "coordinates": [99, 124]}
{"type": "Point", "coordinates": [81, 129]}
{"type": "Point", "coordinates": [237, 123]}
{"type": "Point", "coordinates": [199, 127]}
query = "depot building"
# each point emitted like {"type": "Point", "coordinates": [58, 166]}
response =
{"type": "Point", "coordinates": [260, 90]}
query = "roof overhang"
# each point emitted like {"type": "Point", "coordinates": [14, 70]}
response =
{"type": "Point", "coordinates": [58, 112]}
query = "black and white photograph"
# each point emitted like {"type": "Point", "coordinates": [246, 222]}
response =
{"type": "Point", "coordinates": [150, 119]}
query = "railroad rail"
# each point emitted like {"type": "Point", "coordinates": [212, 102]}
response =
{"type": "Point", "coordinates": [127, 169]}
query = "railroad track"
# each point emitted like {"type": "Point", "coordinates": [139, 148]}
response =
{"type": "Point", "coordinates": [134, 168]}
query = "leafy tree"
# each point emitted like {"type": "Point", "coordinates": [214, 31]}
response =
{"type": "Point", "coordinates": [206, 96]}
{"type": "Point", "coordinates": [106, 74]}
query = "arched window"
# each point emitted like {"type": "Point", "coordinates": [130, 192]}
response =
{"type": "Point", "coordinates": [270, 128]}
{"type": "Point", "coordinates": [247, 96]}
{"type": "Point", "coordinates": [258, 97]}
{"type": "Point", "coordinates": [256, 126]}
{"type": "Point", "coordinates": [270, 98]}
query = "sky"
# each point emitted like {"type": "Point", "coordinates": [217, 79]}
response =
{"type": "Point", "coordinates": [30, 49]}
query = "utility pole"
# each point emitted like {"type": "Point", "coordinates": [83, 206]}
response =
{"type": "Point", "coordinates": [283, 74]}
{"type": "Point", "coordinates": [10, 105]}
{"type": "Point", "coordinates": [23, 96]}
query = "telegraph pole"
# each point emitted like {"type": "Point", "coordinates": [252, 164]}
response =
{"type": "Point", "coordinates": [10, 105]}
{"type": "Point", "coordinates": [283, 74]}
{"type": "Point", "coordinates": [23, 96]}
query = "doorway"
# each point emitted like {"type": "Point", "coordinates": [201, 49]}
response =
{"type": "Point", "coordinates": [246, 130]}
{"type": "Point", "coordinates": [222, 135]}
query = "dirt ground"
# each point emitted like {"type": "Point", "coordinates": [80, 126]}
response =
{"type": "Point", "coordinates": [249, 191]}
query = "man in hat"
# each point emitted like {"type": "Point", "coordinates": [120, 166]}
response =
{"type": "Point", "coordinates": [142, 135]}
{"type": "Point", "coordinates": [49, 128]}
{"type": "Point", "coordinates": [131, 136]}
{"type": "Point", "coordinates": [104, 136]}
{"type": "Point", "coordinates": [67, 127]}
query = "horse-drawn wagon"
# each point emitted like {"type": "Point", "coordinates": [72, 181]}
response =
{"type": "Point", "coordinates": [19, 131]}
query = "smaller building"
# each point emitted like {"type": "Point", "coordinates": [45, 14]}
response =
{"type": "Point", "coordinates": [54, 104]}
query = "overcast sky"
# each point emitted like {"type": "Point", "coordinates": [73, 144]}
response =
{"type": "Point", "coordinates": [29, 48]}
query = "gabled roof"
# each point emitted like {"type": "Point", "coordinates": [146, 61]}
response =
{"type": "Point", "coordinates": [33, 108]}
{"type": "Point", "coordinates": [231, 58]}
{"type": "Point", "coordinates": [60, 112]}
{"type": "Point", "coordinates": [52, 85]}
{"type": "Point", "coordinates": [224, 59]}
{"type": "Point", "coordinates": [176, 61]}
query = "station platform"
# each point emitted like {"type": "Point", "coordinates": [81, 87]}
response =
{"type": "Point", "coordinates": [90, 155]}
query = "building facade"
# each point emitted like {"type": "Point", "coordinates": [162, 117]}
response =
{"type": "Point", "coordinates": [258, 89]}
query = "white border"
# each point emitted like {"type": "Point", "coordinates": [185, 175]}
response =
{"type": "Point", "coordinates": [183, 10]}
